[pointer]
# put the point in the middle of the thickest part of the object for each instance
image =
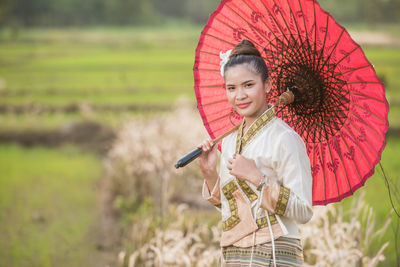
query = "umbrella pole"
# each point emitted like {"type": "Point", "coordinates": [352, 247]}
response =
{"type": "Point", "coordinates": [284, 99]}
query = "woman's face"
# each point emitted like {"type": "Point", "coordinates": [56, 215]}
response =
{"type": "Point", "coordinates": [246, 91]}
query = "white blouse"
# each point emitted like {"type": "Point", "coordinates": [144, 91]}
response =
{"type": "Point", "coordinates": [280, 154]}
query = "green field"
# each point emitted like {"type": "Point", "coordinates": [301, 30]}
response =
{"type": "Point", "coordinates": [48, 205]}
{"type": "Point", "coordinates": [113, 67]}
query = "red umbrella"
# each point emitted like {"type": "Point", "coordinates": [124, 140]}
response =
{"type": "Point", "coordinates": [340, 109]}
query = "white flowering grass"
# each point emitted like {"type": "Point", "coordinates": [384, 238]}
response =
{"type": "Point", "coordinates": [331, 238]}
{"type": "Point", "coordinates": [141, 162]}
{"type": "Point", "coordinates": [140, 165]}
{"type": "Point", "coordinates": [337, 238]}
{"type": "Point", "coordinates": [184, 242]}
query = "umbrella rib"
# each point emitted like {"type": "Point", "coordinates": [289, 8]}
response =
{"type": "Point", "coordinates": [333, 163]}
{"type": "Point", "coordinates": [206, 52]}
{"type": "Point", "coordinates": [211, 103]}
{"type": "Point", "coordinates": [340, 154]}
{"type": "Point", "coordinates": [284, 35]}
{"type": "Point", "coordinates": [362, 150]}
{"type": "Point", "coordinates": [305, 25]}
{"type": "Point", "coordinates": [360, 82]}
{"type": "Point", "coordinates": [323, 169]}
{"type": "Point", "coordinates": [348, 54]}
{"type": "Point", "coordinates": [287, 26]}
{"type": "Point", "coordinates": [370, 112]}
{"type": "Point", "coordinates": [249, 24]}
{"type": "Point", "coordinates": [298, 31]}
{"type": "Point", "coordinates": [381, 83]}
{"type": "Point", "coordinates": [348, 148]}
{"type": "Point", "coordinates": [315, 31]}
{"type": "Point", "coordinates": [219, 39]}
{"type": "Point", "coordinates": [366, 124]}
{"type": "Point", "coordinates": [323, 45]}
{"type": "Point", "coordinates": [366, 140]}
{"type": "Point", "coordinates": [266, 9]}
{"type": "Point", "coordinates": [334, 97]}
{"type": "Point", "coordinates": [354, 69]}
{"type": "Point", "coordinates": [213, 54]}
{"type": "Point", "coordinates": [210, 45]}
{"type": "Point", "coordinates": [360, 94]}
{"type": "Point", "coordinates": [223, 127]}
{"type": "Point", "coordinates": [254, 42]}
{"type": "Point", "coordinates": [308, 132]}
{"type": "Point", "coordinates": [209, 63]}
{"type": "Point", "coordinates": [268, 41]}
{"type": "Point", "coordinates": [210, 86]}
{"type": "Point", "coordinates": [334, 48]}
{"type": "Point", "coordinates": [313, 170]}
{"type": "Point", "coordinates": [217, 119]}
{"type": "Point", "coordinates": [303, 124]}
{"type": "Point", "coordinates": [291, 120]}
{"type": "Point", "coordinates": [304, 22]}
{"type": "Point", "coordinates": [209, 70]}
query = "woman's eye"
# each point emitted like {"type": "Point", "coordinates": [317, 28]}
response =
{"type": "Point", "coordinates": [231, 88]}
{"type": "Point", "coordinates": [249, 85]}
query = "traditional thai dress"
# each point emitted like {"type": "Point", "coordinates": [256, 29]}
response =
{"type": "Point", "coordinates": [286, 197]}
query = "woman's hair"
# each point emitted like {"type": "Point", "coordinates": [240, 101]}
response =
{"type": "Point", "coordinates": [246, 53]}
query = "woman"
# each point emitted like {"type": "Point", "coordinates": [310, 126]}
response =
{"type": "Point", "coordinates": [264, 183]}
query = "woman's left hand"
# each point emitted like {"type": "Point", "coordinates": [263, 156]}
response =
{"type": "Point", "coordinates": [245, 169]}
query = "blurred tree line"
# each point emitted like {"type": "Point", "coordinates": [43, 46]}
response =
{"type": "Point", "coordinates": [102, 12]}
{"type": "Point", "coordinates": [28, 13]}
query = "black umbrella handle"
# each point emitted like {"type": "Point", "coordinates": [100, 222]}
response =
{"type": "Point", "coordinates": [197, 152]}
{"type": "Point", "coordinates": [188, 158]}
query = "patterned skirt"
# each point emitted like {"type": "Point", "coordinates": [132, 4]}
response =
{"type": "Point", "coordinates": [288, 252]}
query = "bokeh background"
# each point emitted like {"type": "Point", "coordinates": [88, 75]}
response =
{"type": "Point", "coordinates": [96, 105]}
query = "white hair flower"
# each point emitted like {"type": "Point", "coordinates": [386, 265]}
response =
{"type": "Point", "coordinates": [224, 59]}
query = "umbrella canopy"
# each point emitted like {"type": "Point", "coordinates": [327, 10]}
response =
{"type": "Point", "coordinates": [340, 109]}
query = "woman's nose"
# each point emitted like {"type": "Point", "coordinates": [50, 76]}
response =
{"type": "Point", "coordinates": [240, 93]}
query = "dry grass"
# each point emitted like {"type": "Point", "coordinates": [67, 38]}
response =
{"type": "Point", "coordinates": [329, 239]}
{"type": "Point", "coordinates": [184, 242]}
{"type": "Point", "coordinates": [334, 238]}
{"type": "Point", "coordinates": [141, 161]}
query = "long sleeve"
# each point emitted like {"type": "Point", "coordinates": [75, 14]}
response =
{"type": "Point", "coordinates": [214, 197]}
{"type": "Point", "coordinates": [292, 197]}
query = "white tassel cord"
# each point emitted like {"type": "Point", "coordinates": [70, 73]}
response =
{"type": "Point", "coordinates": [272, 240]}
{"type": "Point", "coordinates": [269, 227]}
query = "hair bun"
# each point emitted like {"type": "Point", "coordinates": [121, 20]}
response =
{"type": "Point", "coordinates": [245, 47]}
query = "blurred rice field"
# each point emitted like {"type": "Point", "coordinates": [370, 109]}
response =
{"type": "Point", "coordinates": [50, 77]}
{"type": "Point", "coordinates": [51, 69]}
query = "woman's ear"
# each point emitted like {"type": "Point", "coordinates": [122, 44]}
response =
{"type": "Point", "coordinates": [268, 85]}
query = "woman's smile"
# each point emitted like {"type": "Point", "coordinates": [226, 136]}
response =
{"type": "Point", "coordinates": [243, 105]}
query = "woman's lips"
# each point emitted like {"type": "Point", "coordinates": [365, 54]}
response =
{"type": "Point", "coordinates": [243, 105]}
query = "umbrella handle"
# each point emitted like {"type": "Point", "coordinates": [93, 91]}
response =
{"type": "Point", "coordinates": [197, 152]}
{"type": "Point", "coordinates": [188, 158]}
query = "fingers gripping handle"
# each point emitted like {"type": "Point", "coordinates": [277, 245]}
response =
{"type": "Point", "coordinates": [188, 158]}
{"type": "Point", "coordinates": [197, 152]}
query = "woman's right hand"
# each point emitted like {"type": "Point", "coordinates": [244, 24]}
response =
{"type": "Point", "coordinates": [208, 158]}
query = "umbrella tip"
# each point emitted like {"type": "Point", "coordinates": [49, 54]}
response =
{"type": "Point", "coordinates": [286, 98]}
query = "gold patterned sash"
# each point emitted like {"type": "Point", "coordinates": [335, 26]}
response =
{"type": "Point", "coordinates": [242, 141]}
{"type": "Point", "coordinates": [228, 189]}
